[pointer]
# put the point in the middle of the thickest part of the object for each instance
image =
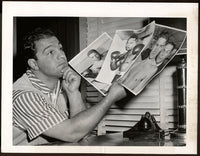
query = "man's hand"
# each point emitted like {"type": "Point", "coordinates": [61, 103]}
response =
{"type": "Point", "coordinates": [116, 92]}
{"type": "Point", "coordinates": [71, 81]}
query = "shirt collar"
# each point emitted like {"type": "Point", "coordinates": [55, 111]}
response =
{"type": "Point", "coordinates": [37, 83]}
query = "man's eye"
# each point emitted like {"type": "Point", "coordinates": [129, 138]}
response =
{"type": "Point", "coordinates": [51, 52]}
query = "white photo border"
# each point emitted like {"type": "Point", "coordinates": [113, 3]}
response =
{"type": "Point", "coordinates": [99, 9]}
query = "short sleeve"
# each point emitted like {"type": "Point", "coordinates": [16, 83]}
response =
{"type": "Point", "coordinates": [32, 113]}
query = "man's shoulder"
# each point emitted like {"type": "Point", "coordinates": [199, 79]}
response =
{"type": "Point", "coordinates": [22, 80]}
{"type": "Point", "coordinates": [25, 94]}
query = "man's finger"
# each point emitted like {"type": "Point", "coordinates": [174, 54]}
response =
{"type": "Point", "coordinates": [67, 72]}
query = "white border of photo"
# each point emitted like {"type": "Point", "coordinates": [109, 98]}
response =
{"type": "Point", "coordinates": [99, 9]}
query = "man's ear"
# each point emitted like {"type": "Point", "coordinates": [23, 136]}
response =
{"type": "Point", "coordinates": [33, 64]}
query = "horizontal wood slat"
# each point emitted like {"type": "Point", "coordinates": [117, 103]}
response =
{"type": "Point", "coordinates": [91, 89]}
{"type": "Point", "coordinates": [172, 119]}
{"type": "Point", "coordinates": [172, 125]}
{"type": "Point", "coordinates": [145, 99]}
{"type": "Point", "coordinates": [133, 111]}
{"type": "Point", "coordinates": [170, 99]}
{"type": "Point", "coordinates": [115, 129]}
{"type": "Point", "coordinates": [147, 105]}
{"type": "Point", "coordinates": [119, 123]}
{"type": "Point", "coordinates": [172, 112]}
{"type": "Point", "coordinates": [92, 99]}
{"type": "Point", "coordinates": [127, 117]}
{"type": "Point", "coordinates": [170, 92]}
{"type": "Point", "coordinates": [171, 105]}
{"type": "Point", "coordinates": [92, 94]}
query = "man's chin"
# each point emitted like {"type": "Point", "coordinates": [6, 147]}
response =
{"type": "Point", "coordinates": [59, 74]}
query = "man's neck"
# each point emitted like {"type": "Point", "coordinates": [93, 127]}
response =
{"type": "Point", "coordinates": [50, 82]}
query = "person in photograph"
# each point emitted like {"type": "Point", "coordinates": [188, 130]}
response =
{"type": "Point", "coordinates": [47, 103]}
{"type": "Point", "coordinates": [124, 61]}
{"type": "Point", "coordinates": [157, 46]}
{"type": "Point", "coordinates": [140, 73]}
{"type": "Point", "coordinates": [94, 69]}
{"type": "Point", "coordinates": [121, 61]}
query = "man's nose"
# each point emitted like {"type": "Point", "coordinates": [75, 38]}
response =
{"type": "Point", "coordinates": [61, 55]}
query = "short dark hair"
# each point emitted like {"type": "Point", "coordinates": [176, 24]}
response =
{"type": "Point", "coordinates": [133, 36]}
{"type": "Point", "coordinates": [93, 51]}
{"type": "Point", "coordinates": [172, 43]}
{"type": "Point", "coordinates": [29, 50]}
{"type": "Point", "coordinates": [164, 34]}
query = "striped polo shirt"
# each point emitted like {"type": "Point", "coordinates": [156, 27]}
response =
{"type": "Point", "coordinates": [38, 109]}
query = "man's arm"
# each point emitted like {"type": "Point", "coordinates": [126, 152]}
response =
{"type": "Point", "coordinates": [75, 128]}
{"type": "Point", "coordinates": [76, 103]}
{"type": "Point", "coordinates": [71, 83]}
{"type": "Point", "coordinates": [72, 130]}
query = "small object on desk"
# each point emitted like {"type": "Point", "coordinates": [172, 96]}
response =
{"type": "Point", "coordinates": [146, 129]}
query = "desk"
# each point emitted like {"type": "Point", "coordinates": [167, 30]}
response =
{"type": "Point", "coordinates": [116, 139]}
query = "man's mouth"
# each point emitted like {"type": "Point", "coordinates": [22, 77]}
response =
{"type": "Point", "coordinates": [63, 65]}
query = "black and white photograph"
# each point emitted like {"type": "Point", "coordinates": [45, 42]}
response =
{"type": "Point", "coordinates": [88, 62]}
{"type": "Point", "coordinates": [164, 46]}
{"type": "Point", "coordinates": [80, 77]}
{"type": "Point", "coordinates": [125, 48]}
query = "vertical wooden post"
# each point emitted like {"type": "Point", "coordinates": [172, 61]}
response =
{"type": "Point", "coordinates": [181, 72]}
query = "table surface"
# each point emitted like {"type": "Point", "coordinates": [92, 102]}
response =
{"type": "Point", "coordinates": [116, 139]}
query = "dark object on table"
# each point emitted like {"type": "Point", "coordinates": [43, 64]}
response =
{"type": "Point", "coordinates": [146, 129]}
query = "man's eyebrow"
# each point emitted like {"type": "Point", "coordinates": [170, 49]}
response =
{"type": "Point", "coordinates": [50, 46]}
{"type": "Point", "coordinates": [46, 48]}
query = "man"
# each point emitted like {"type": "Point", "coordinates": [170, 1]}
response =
{"type": "Point", "coordinates": [122, 61]}
{"type": "Point", "coordinates": [157, 47]}
{"type": "Point", "coordinates": [139, 74]}
{"type": "Point", "coordinates": [94, 69]}
{"type": "Point", "coordinates": [40, 106]}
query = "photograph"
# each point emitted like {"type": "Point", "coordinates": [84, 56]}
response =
{"type": "Point", "coordinates": [88, 62]}
{"type": "Point", "coordinates": [125, 48]}
{"type": "Point", "coordinates": [164, 45]}
{"type": "Point", "coordinates": [84, 77]}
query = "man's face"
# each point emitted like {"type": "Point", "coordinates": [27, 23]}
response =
{"type": "Point", "coordinates": [160, 45]}
{"type": "Point", "coordinates": [164, 53]}
{"type": "Point", "coordinates": [51, 57]}
{"type": "Point", "coordinates": [130, 44]}
{"type": "Point", "coordinates": [95, 56]}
